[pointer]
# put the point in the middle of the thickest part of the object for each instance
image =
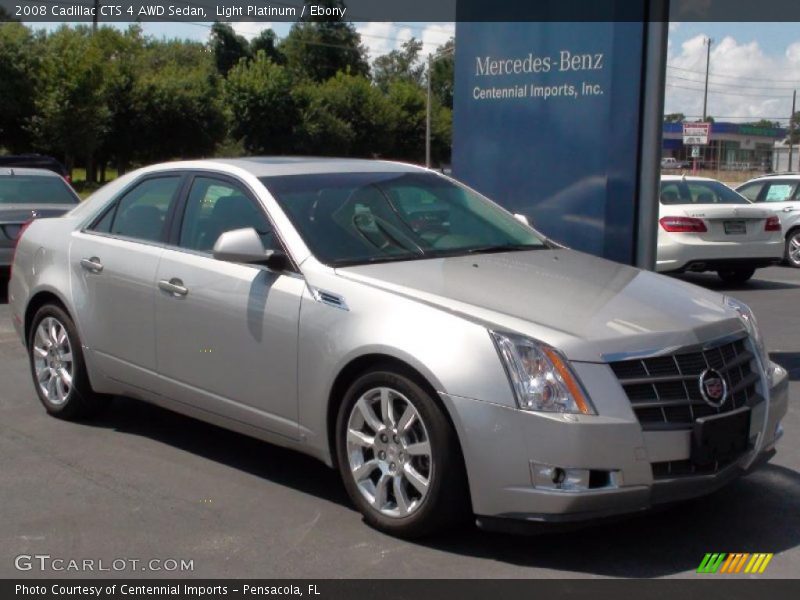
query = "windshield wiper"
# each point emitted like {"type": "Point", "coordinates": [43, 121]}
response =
{"type": "Point", "coordinates": [368, 260]}
{"type": "Point", "coordinates": [504, 248]}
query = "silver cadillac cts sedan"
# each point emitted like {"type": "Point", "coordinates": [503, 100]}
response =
{"type": "Point", "coordinates": [444, 356]}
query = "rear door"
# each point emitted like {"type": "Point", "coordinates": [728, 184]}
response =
{"type": "Point", "coordinates": [783, 197]}
{"type": "Point", "coordinates": [113, 266]}
{"type": "Point", "coordinates": [227, 339]}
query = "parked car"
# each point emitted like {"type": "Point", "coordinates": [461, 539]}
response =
{"type": "Point", "coordinates": [706, 226]}
{"type": "Point", "coordinates": [781, 193]}
{"type": "Point", "coordinates": [27, 194]}
{"type": "Point", "coordinates": [669, 162]}
{"type": "Point", "coordinates": [466, 368]}
{"type": "Point", "coordinates": [35, 161]}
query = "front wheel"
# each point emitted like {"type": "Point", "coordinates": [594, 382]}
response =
{"type": "Point", "coordinates": [735, 276]}
{"type": "Point", "coordinates": [399, 456]}
{"type": "Point", "coordinates": [792, 254]}
{"type": "Point", "coordinates": [56, 361]}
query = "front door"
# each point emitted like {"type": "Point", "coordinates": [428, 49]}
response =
{"type": "Point", "coordinates": [227, 333]}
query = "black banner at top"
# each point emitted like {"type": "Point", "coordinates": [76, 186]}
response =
{"type": "Point", "coordinates": [104, 11]}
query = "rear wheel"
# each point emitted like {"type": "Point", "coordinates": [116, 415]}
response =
{"type": "Point", "coordinates": [792, 254]}
{"type": "Point", "coordinates": [399, 456]}
{"type": "Point", "coordinates": [56, 361]}
{"type": "Point", "coordinates": [735, 275]}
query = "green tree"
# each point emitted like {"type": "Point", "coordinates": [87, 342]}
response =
{"type": "Point", "coordinates": [674, 118]}
{"type": "Point", "coordinates": [399, 65]}
{"type": "Point", "coordinates": [71, 116]}
{"type": "Point", "coordinates": [443, 73]}
{"type": "Point", "coordinates": [178, 96]}
{"type": "Point", "coordinates": [19, 67]}
{"type": "Point", "coordinates": [318, 49]}
{"type": "Point", "coordinates": [228, 47]}
{"type": "Point", "coordinates": [263, 109]}
{"type": "Point", "coordinates": [267, 42]}
{"type": "Point", "coordinates": [346, 116]}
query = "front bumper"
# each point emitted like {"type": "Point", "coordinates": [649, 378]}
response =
{"type": "Point", "coordinates": [502, 445]}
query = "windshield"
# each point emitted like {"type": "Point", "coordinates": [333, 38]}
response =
{"type": "Point", "coordinates": [355, 218]}
{"type": "Point", "coordinates": [29, 189]}
{"type": "Point", "coordinates": [699, 192]}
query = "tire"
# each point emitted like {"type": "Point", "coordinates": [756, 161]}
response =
{"type": "Point", "coordinates": [54, 347]}
{"type": "Point", "coordinates": [735, 276]}
{"type": "Point", "coordinates": [792, 253]}
{"type": "Point", "coordinates": [407, 508]}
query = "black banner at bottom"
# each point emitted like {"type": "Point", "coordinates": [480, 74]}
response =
{"type": "Point", "coordinates": [705, 587]}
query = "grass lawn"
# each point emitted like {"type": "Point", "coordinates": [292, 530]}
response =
{"type": "Point", "coordinates": [80, 185]}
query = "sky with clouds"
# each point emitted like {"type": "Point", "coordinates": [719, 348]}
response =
{"type": "Point", "coordinates": [754, 66]}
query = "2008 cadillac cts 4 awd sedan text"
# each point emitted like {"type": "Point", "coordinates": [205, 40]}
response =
{"type": "Point", "coordinates": [444, 356]}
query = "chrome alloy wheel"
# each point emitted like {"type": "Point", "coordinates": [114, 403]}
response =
{"type": "Point", "coordinates": [389, 452]}
{"type": "Point", "coordinates": [793, 249]}
{"type": "Point", "coordinates": [52, 360]}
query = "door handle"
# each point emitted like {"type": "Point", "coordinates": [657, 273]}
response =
{"type": "Point", "coordinates": [788, 209]}
{"type": "Point", "coordinates": [174, 286]}
{"type": "Point", "coordinates": [93, 264]}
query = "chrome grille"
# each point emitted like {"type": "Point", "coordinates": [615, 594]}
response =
{"type": "Point", "coordinates": [664, 391]}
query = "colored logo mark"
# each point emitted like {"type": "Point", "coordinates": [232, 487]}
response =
{"type": "Point", "coordinates": [734, 562]}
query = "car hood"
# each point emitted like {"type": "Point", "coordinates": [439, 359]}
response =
{"type": "Point", "coordinates": [592, 309]}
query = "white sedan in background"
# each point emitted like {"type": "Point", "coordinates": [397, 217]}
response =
{"type": "Point", "coordinates": [705, 226]}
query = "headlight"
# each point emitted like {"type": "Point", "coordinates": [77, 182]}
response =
{"type": "Point", "coordinates": [748, 319]}
{"type": "Point", "coordinates": [540, 376]}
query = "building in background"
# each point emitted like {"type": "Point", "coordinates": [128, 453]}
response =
{"type": "Point", "coordinates": [731, 147]}
{"type": "Point", "coordinates": [780, 157]}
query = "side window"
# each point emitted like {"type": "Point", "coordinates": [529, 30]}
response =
{"type": "Point", "coordinates": [779, 192]}
{"type": "Point", "coordinates": [751, 191]}
{"type": "Point", "coordinates": [215, 206]}
{"type": "Point", "coordinates": [142, 211]}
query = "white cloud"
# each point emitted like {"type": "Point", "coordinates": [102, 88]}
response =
{"type": "Point", "coordinates": [383, 37]}
{"type": "Point", "coordinates": [744, 81]}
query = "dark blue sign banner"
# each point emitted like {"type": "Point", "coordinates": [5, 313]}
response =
{"type": "Point", "coordinates": [547, 123]}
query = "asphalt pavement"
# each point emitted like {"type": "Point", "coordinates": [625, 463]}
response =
{"type": "Point", "coordinates": [142, 483]}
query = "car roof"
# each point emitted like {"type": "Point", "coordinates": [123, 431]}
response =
{"type": "Point", "coordinates": [269, 166]}
{"type": "Point", "coordinates": [685, 177]}
{"type": "Point", "coordinates": [786, 175]}
{"type": "Point", "coordinates": [28, 171]}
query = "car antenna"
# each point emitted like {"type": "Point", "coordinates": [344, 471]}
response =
{"type": "Point", "coordinates": [683, 177]}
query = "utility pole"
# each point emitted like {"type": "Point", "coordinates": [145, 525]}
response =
{"type": "Point", "coordinates": [708, 42]}
{"type": "Point", "coordinates": [791, 130]}
{"type": "Point", "coordinates": [428, 117]}
{"type": "Point", "coordinates": [96, 15]}
{"type": "Point", "coordinates": [431, 59]}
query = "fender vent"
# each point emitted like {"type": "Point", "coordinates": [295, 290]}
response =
{"type": "Point", "coordinates": [329, 298]}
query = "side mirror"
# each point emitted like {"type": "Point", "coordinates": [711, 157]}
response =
{"type": "Point", "coordinates": [522, 219]}
{"type": "Point", "coordinates": [244, 246]}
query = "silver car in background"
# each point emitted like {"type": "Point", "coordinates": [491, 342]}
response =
{"type": "Point", "coordinates": [25, 195]}
{"type": "Point", "coordinates": [444, 356]}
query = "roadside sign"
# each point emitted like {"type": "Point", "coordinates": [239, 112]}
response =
{"type": "Point", "coordinates": [696, 134]}
{"type": "Point", "coordinates": [695, 151]}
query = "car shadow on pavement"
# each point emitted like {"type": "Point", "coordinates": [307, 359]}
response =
{"type": "Point", "coordinates": [757, 513]}
{"type": "Point", "coordinates": [4, 276]}
{"type": "Point", "coordinates": [712, 282]}
{"type": "Point", "coordinates": [232, 449]}
{"type": "Point", "coordinates": [789, 361]}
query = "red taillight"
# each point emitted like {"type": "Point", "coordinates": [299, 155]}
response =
{"type": "Point", "coordinates": [683, 225]}
{"type": "Point", "coordinates": [773, 224]}
{"type": "Point", "coordinates": [22, 229]}
{"type": "Point", "coordinates": [67, 178]}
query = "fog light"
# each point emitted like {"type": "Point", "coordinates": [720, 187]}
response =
{"type": "Point", "coordinates": [548, 477]}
